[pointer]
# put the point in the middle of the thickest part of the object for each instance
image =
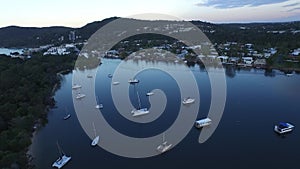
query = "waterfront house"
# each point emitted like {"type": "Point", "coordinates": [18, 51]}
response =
{"type": "Point", "coordinates": [247, 60]}
{"type": "Point", "coordinates": [260, 63]}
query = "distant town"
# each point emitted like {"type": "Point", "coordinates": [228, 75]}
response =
{"type": "Point", "coordinates": [266, 45]}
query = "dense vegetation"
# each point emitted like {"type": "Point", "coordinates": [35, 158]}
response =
{"type": "Point", "coordinates": [25, 94]}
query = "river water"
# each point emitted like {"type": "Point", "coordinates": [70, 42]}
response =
{"type": "Point", "coordinates": [256, 101]}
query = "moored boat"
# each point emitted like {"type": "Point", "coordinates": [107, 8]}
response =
{"type": "Point", "coordinates": [283, 128]}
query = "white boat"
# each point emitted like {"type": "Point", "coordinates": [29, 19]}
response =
{"type": "Point", "coordinates": [76, 86]}
{"type": "Point", "coordinates": [140, 111]}
{"type": "Point", "coordinates": [133, 81]}
{"type": "Point", "coordinates": [89, 76]}
{"type": "Point", "coordinates": [203, 122]}
{"type": "Point", "coordinates": [67, 116]}
{"type": "Point", "coordinates": [80, 96]}
{"type": "Point", "coordinates": [99, 105]}
{"type": "Point", "coordinates": [188, 100]}
{"type": "Point", "coordinates": [283, 127]}
{"type": "Point", "coordinates": [116, 83]}
{"type": "Point", "coordinates": [149, 94]}
{"type": "Point", "coordinates": [62, 159]}
{"type": "Point", "coordinates": [96, 139]}
{"type": "Point", "coordinates": [165, 146]}
{"type": "Point", "coordinates": [289, 74]}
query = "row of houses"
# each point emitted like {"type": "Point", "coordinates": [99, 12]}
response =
{"type": "Point", "coordinates": [244, 61]}
{"type": "Point", "coordinates": [61, 50]}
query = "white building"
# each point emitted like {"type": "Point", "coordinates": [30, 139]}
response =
{"type": "Point", "coordinates": [247, 60]}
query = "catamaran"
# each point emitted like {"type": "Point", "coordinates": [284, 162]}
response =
{"type": "Point", "coordinates": [96, 139]}
{"type": "Point", "coordinates": [140, 111]}
{"type": "Point", "coordinates": [165, 146]}
{"type": "Point", "coordinates": [188, 100]}
{"type": "Point", "coordinates": [62, 159]}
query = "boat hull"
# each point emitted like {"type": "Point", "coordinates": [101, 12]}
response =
{"type": "Point", "coordinates": [59, 163]}
{"type": "Point", "coordinates": [277, 130]}
{"type": "Point", "coordinates": [67, 117]}
{"type": "Point", "coordinates": [95, 141]}
{"type": "Point", "coordinates": [164, 147]}
{"type": "Point", "coordinates": [139, 112]}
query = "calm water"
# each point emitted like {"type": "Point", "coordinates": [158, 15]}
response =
{"type": "Point", "coordinates": [244, 139]}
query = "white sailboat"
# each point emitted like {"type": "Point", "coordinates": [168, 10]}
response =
{"type": "Point", "coordinates": [140, 111]}
{"type": "Point", "coordinates": [116, 83]}
{"type": "Point", "coordinates": [62, 159]}
{"type": "Point", "coordinates": [68, 115]}
{"type": "Point", "coordinates": [165, 146]}
{"type": "Point", "coordinates": [76, 86]}
{"type": "Point", "coordinates": [98, 105]}
{"type": "Point", "coordinates": [80, 96]}
{"type": "Point", "coordinates": [96, 139]}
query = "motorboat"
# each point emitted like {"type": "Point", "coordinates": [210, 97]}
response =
{"type": "Point", "coordinates": [188, 100]}
{"type": "Point", "coordinates": [116, 83]}
{"type": "Point", "coordinates": [203, 122]}
{"type": "Point", "coordinates": [283, 128]}
{"type": "Point", "coordinates": [149, 94]}
{"type": "Point", "coordinates": [133, 81]}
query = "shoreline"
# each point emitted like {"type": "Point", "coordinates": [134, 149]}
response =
{"type": "Point", "coordinates": [38, 125]}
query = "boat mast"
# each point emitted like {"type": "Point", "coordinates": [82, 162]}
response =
{"type": "Point", "coordinates": [61, 152]}
{"type": "Point", "coordinates": [94, 129]}
{"type": "Point", "coordinates": [66, 110]}
{"type": "Point", "coordinates": [164, 137]}
{"type": "Point", "coordinates": [138, 97]}
{"type": "Point", "coordinates": [97, 99]}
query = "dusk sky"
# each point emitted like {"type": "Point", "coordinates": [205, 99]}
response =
{"type": "Point", "coordinates": [77, 13]}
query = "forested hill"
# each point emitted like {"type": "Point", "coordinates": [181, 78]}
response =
{"type": "Point", "coordinates": [282, 35]}
{"type": "Point", "coordinates": [14, 36]}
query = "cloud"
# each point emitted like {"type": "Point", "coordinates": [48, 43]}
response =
{"type": "Point", "coordinates": [291, 5]}
{"type": "Point", "coordinates": [223, 4]}
{"type": "Point", "coordinates": [294, 9]}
